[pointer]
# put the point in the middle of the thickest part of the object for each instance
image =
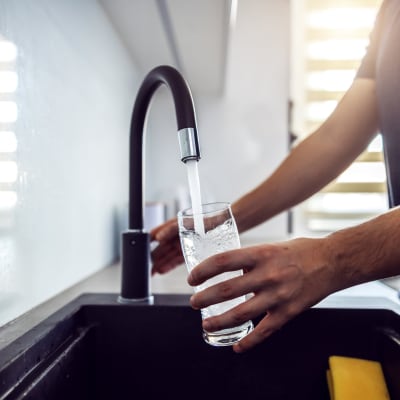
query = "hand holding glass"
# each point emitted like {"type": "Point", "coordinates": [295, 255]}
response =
{"type": "Point", "coordinates": [218, 233]}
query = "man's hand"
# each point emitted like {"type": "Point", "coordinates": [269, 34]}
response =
{"type": "Point", "coordinates": [168, 254]}
{"type": "Point", "coordinates": [285, 279]}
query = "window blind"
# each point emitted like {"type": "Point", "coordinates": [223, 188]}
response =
{"type": "Point", "coordinates": [335, 35]}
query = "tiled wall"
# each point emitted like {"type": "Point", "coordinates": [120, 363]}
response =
{"type": "Point", "coordinates": [64, 123]}
{"type": "Point", "coordinates": [67, 87]}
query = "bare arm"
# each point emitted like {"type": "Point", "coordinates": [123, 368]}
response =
{"type": "Point", "coordinates": [316, 160]}
{"type": "Point", "coordinates": [309, 167]}
{"type": "Point", "coordinates": [287, 278]}
{"type": "Point", "coordinates": [368, 251]}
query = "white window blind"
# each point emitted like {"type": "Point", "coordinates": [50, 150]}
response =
{"type": "Point", "coordinates": [331, 37]}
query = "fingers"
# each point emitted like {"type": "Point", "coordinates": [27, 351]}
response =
{"type": "Point", "coordinates": [167, 265]}
{"type": "Point", "coordinates": [223, 291]}
{"type": "Point", "coordinates": [166, 231]}
{"type": "Point", "coordinates": [164, 250]}
{"type": "Point", "coordinates": [236, 316]}
{"type": "Point", "coordinates": [167, 255]}
{"type": "Point", "coordinates": [272, 322]}
{"type": "Point", "coordinates": [274, 319]}
{"type": "Point", "coordinates": [285, 279]}
{"type": "Point", "coordinates": [223, 262]}
{"type": "Point", "coordinates": [167, 260]}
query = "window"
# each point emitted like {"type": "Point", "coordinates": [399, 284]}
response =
{"type": "Point", "coordinates": [331, 38]}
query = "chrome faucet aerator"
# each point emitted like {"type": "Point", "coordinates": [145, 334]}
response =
{"type": "Point", "coordinates": [135, 285]}
{"type": "Point", "coordinates": [189, 145]}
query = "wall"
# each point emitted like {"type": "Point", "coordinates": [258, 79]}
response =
{"type": "Point", "coordinates": [243, 134]}
{"type": "Point", "coordinates": [76, 87]}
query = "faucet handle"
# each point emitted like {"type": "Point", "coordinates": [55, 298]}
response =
{"type": "Point", "coordinates": [135, 267]}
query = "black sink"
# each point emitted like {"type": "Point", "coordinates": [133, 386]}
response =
{"type": "Point", "coordinates": [96, 348]}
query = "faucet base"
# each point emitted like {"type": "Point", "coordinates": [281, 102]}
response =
{"type": "Point", "coordinates": [145, 300]}
{"type": "Point", "coordinates": [135, 266]}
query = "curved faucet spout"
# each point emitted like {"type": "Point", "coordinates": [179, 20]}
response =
{"type": "Point", "coordinates": [184, 109]}
{"type": "Point", "coordinates": [136, 242]}
{"type": "Point", "coordinates": [187, 131]}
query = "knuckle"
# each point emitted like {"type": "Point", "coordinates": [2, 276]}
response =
{"type": "Point", "coordinates": [268, 279]}
{"type": "Point", "coordinates": [263, 333]}
{"type": "Point", "coordinates": [212, 324]}
{"type": "Point", "coordinates": [221, 259]}
{"type": "Point", "coordinates": [266, 252]}
{"type": "Point", "coordinates": [281, 294]}
{"type": "Point", "coordinates": [269, 324]}
{"type": "Point", "coordinates": [292, 310]}
{"type": "Point", "coordinates": [239, 315]}
{"type": "Point", "coordinates": [226, 290]}
{"type": "Point", "coordinates": [275, 277]}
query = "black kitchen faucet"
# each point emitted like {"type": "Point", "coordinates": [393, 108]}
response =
{"type": "Point", "coordinates": [136, 241]}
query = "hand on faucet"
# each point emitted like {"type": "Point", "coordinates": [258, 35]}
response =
{"type": "Point", "coordinates": [168, 254]}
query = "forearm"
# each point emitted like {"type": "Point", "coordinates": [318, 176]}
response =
{"type": "Point", "coordinates": [316, 161]}
{"type": "Point", "coordinates": [365, 252]}
{"type": "Point", "coordinates": [295, 180]}
{"type": "Point", "coordinates": [309, 167]}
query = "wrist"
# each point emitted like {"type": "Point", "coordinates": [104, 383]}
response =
{"type": "Point", "coordinates": [346, 258]}
{"type": "Point", "coordinates": [315, 256]}
{"type": "Point", "coordinates": [239, 216]}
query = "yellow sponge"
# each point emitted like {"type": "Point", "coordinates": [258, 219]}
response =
{"type": "Point", "coordinates": [356, 379]}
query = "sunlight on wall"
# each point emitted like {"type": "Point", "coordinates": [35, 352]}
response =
{"type": "Point", "coordinates": [66, 89]}
{"type": "Point", "coordinates": [334, 41]}
{"type": "Point", "coordinates": [342, 18]}
{"type": "Point", "coordinates": [8, 117]}
{"type": "Point", "coordinates": [8, 166]}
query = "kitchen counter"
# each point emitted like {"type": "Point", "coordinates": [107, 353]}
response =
{"type": "Point", "coordinates": [108, 281]}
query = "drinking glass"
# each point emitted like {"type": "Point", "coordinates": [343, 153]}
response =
{"type": "Point", "coordinates": [202, 234]}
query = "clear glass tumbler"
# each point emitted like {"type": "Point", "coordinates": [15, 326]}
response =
{"type": "Point", "coordinates": [220, 234]}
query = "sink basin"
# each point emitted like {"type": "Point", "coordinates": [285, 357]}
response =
{"type": "Point", "coordinates": [96, 348]}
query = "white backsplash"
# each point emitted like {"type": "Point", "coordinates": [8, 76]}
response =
{"type": "Point", "coordinates": [73, 100]}
{"type": "Point", "coordinates": [68, 176]}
